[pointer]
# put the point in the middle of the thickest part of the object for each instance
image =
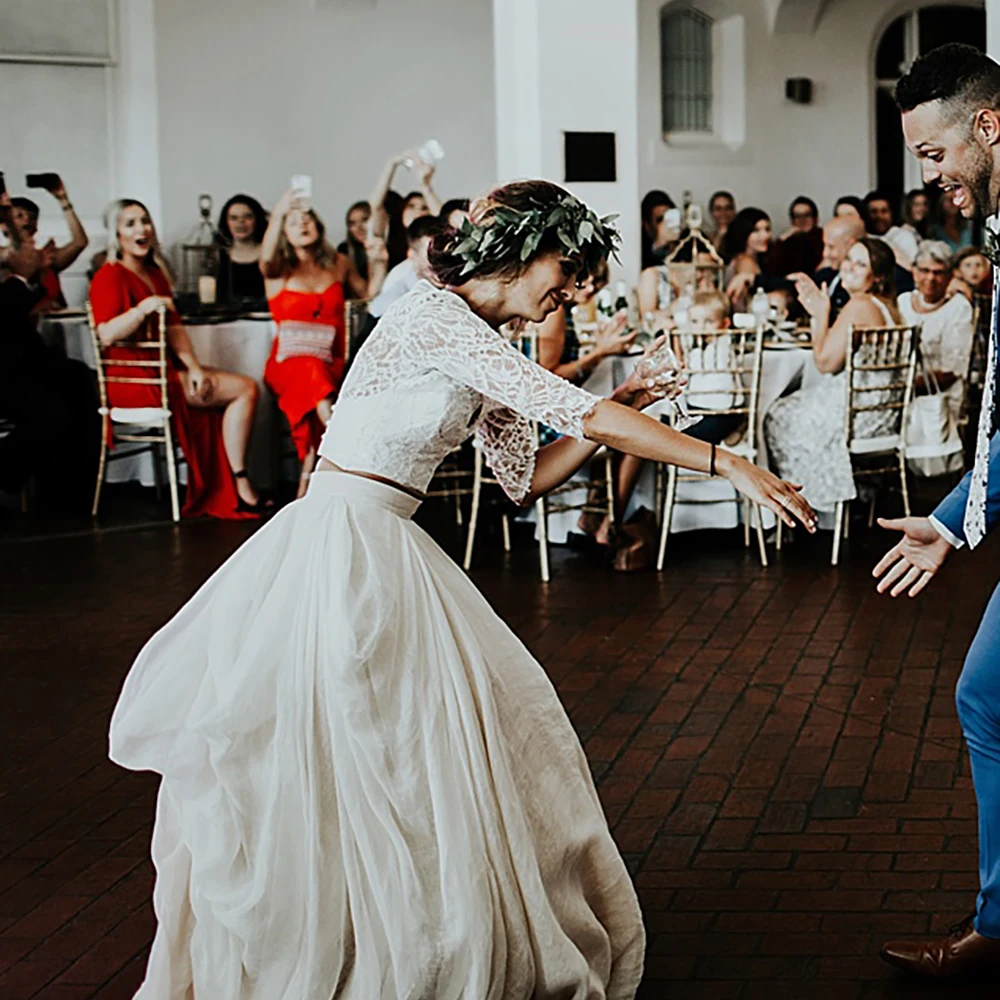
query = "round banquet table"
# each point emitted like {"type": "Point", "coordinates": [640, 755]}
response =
{"type": "Point", "coordinates": [786, 366]}
{"type": "Point", "coordinates": [240, 345]}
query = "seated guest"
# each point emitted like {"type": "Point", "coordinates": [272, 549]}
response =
{"type": "Point", "coordinates": [721, 212]}
{"type": "Point", "coordinates": [945, 322]}
{"type": "Point", "coordinates": [708, 388]}
{"type": "Point", "coordinates": [882, 223]}
{"type": "Point", "coordinates": [949, 225]}
{"type": "Point", "coordinates": [658, 239]}
{"type": "Point", "coordinates": [839, 235]}
{"type": "Point", "coordinates": [454, 212]}
{"type": "Point", "coordinates": [392, 216]}
{"type": "Point", "coordinates": [50, 400]}
{"type": "Point", "coordinates": [212, 410]}
{"type": "Point", "coordinates": [558, 342]}
{"type": "Point", "coordinates": [800, 247]}
{"type": "Point", "coordinates": [806, 430]}
{"type": "Point", "coordinates": [357, 236]}
{"type": "Point", "coordinates": [974, 269]}
{"type": "Point", "coordinates": [307, 282]}
{"type": "Point", "coordinates": [747, 242]}
{"type": "Point", "coordinates": [849, 206]}
{"type": "Point", "coordinates": [242, 222]}
{"type": "Point", "coordinates": [406, 274]}
{"type": "Point", "coordinates": [917, 213]}
{"type": "Point", "coordinates": [25, 214]}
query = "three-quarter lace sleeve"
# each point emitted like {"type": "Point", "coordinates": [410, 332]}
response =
{"type": "Point", "coordinates": [454, 340]}
{"type": "Point", "coordinates": [509, 447]}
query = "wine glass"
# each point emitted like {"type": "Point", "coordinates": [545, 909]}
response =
{"type": "Point", "coordinates": [657, 360]}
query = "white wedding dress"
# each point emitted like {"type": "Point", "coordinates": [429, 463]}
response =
{"type": "Point", "coordinates": [370, 790]}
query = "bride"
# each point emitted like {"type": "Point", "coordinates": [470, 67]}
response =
{"type": "Point", "coordinates": [370, 790]}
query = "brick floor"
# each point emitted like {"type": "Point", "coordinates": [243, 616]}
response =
{"type": "Point", "coordinates": [777, 752]}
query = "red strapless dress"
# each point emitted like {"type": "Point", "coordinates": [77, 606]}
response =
{"type": "Point", "coordinates": [211, 490]}
{"type": "Point", "coordinates": [307, 360]}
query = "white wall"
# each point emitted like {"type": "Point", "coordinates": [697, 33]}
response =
{"type": "Point", "coordinates": [824, 149]}
{"type": "Point", "coordinates": [252, 92]}
{"type": "Point", "coordinates": [585, 82]}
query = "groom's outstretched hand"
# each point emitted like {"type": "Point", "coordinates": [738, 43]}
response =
{"type": "Point", "coordinates": [912, 562]}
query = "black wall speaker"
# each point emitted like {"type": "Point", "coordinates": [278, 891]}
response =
{"type": "Point", "coordinates": [799, 89]}
{"type": "Point", "coordinates": [590, 156]}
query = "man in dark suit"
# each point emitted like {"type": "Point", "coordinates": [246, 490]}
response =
{"type": "Point", "coordinates": [950, 102]}
{"type": "Point", "coordinates": [50, 402]}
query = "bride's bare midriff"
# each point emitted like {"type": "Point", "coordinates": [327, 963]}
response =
{"type": "Point", "coordinates": [325, 465]}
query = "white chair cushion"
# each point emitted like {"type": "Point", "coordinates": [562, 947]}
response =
{"type": "Point", "coordinates": [937, 449]}
{"type": "Point", "coordinates": [147, 416]}
{"type": "Point", "coordinates": [876, 445]}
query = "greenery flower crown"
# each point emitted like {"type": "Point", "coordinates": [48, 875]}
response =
{"type": "Point", "coordinates": [508, 232]}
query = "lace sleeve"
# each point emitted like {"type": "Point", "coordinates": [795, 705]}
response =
{"type": "Point", "coordinates": [452, 339]}
{"type": "Point", "coordinates": [509, 448]}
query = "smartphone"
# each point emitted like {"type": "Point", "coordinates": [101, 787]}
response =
{"type": "Point", "coordinates": [431, 152]}
{"type": "Point", "coordinates": [48, 181]}
{"type": "Point", "coordinates": [672, 219]}
{"type": "Point", "coordinates": [302, 187]}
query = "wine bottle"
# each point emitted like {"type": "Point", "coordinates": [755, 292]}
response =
{"type": "Point", "coordinates": [621, 297]}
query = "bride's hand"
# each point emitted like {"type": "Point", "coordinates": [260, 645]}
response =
{"type": "Point", "coordinates": [646, 386]}
{"type": "Point", "coordinates": [765, 488]}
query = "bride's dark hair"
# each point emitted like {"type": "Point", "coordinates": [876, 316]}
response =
{"type": "Point", "coordinates": [519, 196]}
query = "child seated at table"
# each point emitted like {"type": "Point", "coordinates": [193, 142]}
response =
{"type": "Point", "coordinates": [710, 387]}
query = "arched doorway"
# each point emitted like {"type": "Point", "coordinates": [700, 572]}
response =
{"type": "Point", "coordinates": [907, 37]}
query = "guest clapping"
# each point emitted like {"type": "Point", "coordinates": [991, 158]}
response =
{"type": "Point", "coordinates": [805, 431]}
{"type": "Point", "coordinates": [24, 215]}
{"type": "Point", "coordinates": [306, 282]}
{"type": "Point", "coordinates": [125, 295]}
{"type": "Point", "coordinates": [241, 227]}
{"type": "Point", "coordinates": [747, 242]}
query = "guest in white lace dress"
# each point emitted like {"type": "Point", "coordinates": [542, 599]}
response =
{"type": "Point", "coordinates": [370, 790]}
{"type": "Point", "coordinates": [805, 431]}
{"type": "Point", "coordinates": [944, 319]}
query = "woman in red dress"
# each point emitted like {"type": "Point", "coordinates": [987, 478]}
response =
{"type": "Point", "coordinates": [212, 411]}
{"type": "Point", "coordinates": [306, 282]}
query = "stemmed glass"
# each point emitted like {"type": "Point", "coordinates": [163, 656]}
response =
{"type": "Point", "coordinates": [660, 358]}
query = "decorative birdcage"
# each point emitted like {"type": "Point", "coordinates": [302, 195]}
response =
{"type": "Point", "coordinates": [695, 264]}
{"type": "Point", "coordinates": [200, 255]}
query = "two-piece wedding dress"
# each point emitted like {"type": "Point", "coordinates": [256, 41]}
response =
{"type": "Point", "coordinates": [370, 789]}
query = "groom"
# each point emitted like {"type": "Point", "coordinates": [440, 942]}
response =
{"type": "Point", "coordinates": [950, 102]}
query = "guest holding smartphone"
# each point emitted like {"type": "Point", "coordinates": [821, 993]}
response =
{"type": "Point", "coordinates": [25, 214]}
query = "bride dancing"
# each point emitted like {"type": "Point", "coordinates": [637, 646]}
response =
{"type": "Point", "coordinates": [370, 790]}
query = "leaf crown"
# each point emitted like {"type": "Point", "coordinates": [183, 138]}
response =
{"type": "Point", "coordinates": [511, 233]}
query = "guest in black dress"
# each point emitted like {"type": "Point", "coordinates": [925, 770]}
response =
{"type": "Point", "coordinates": [242, 223]}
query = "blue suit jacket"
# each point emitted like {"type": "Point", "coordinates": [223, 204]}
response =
{"type": "Point", "coordinates": [951, 511]}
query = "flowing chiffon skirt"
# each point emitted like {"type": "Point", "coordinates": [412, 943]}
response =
{"type": "Point", "coordinates": [370, 789]}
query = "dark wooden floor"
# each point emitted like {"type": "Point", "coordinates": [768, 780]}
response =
{"type": "Point", "coordinates": [777, 752]}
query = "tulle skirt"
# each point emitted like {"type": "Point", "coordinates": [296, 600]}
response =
{"type": "Point", "coordinates": [370, 789]}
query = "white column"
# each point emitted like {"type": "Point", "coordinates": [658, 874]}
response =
{"type": "Point", "coordinates": [135, 109]}
{"type": "Point", "coordinates": [570, 66]}
{"type": "Point", "coordinates": [993, 29]}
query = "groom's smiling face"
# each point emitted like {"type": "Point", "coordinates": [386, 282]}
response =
{"type": "Point", "coordinates": [957, 153]}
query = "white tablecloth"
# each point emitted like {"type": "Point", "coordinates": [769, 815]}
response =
{"type": "Point", "coordinates": [784, 370]}
{"type": "Point", "coordinates": [239, 346]}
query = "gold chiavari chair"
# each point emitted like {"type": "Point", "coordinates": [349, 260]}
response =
{"type": "Point", "coordinates": [150, 424]}
{"type": "Point", "coordinates": [554, 502]}
{"type": "Point", "coordinates": [724, 372]}
{"type": "Point", "coordinates": [881, 367]}
{"type": "Point", "coordinates": [355, 314]}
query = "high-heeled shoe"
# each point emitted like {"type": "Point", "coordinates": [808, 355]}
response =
{"type": "Point", "coordinates": [264, 505]}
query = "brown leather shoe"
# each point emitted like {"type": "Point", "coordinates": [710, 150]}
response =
{"type": "Point", "coordinates": [963, 952]}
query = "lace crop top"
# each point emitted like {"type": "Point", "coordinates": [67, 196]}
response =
{"type": "Point", "coordinates": [432, 374]}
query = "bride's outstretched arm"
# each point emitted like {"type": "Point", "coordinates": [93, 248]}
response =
{"type": "Point", "coordinates": [621, 428]}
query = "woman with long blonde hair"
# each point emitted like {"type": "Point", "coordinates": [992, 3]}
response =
{"type": "Point", "coordinates": [307, 282]}
{"type": "Point", "coordinates": [212, 410]}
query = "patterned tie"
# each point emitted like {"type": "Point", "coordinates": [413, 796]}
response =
{"type": "Point", "coordinates": [975, 510]}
